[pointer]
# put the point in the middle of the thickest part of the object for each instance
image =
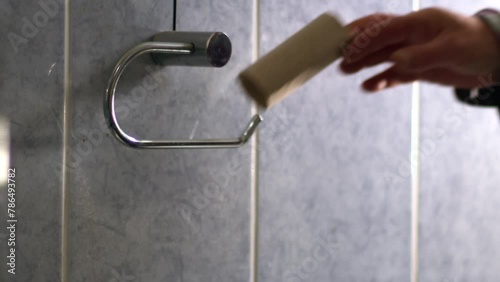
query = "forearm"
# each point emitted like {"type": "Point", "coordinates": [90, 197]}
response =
{"type": "Point", "coordinates": [487, 95]}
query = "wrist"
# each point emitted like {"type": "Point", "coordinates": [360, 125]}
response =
{"type": "Point", "coordinates": [491, 18]}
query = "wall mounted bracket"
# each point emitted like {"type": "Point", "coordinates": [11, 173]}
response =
{"type": "Point", "coordinates": [203, 49]}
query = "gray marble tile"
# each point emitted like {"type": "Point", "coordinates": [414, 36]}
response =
{"type": "Point", "coordinates": [31, 79]}
{"type": "Point", "coordinates": [334, 184]}
{"type": "Point", "coordinates": [459, 189]}
{"type": "Point", "coordinates": [176, 215]}
{"type": "Point", "coordinates": [459, 182]}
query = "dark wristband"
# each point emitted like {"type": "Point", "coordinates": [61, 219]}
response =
{"type": "Point", "coordinates": [484, 97]}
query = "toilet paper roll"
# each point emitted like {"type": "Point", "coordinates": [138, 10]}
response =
{"type": "Point", "coordinates": [274, 76]}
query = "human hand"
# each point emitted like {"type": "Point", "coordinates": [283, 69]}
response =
{"type": "Point", "coordinates": [433, 45]}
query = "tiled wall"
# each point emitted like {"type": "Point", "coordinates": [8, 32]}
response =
{"type": "Point", "coordinates": [326, 155]}
{"type": "Point", "coordinates": [31, 97]}
{"type": "Point", "coordinates": [330, 176]}
{"type": "Point", "coordinates": [459, 182]}
{"type": "Point", "coordinates": [163, 215]}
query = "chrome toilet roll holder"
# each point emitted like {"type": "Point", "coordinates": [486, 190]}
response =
{"type": "Point", "coordinates": [203, 49]}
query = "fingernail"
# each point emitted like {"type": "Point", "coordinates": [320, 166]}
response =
{"type": "Point", "coordinates": [381, 85]}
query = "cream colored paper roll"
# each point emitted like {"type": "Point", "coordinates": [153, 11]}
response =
{"type": "Point", "coordinates": [274, 76]}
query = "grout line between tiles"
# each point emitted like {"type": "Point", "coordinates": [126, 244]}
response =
{"type": "Point", "coordinates": [254, 186]}
{"type": "Point", "coordinates": [66, 143]}
{"type": "Point", "coordinates": [415, 173]}
{"type": "Point", "coordinates": [415, 185]}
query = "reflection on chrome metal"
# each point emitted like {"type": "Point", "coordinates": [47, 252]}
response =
{"type": "Point", "coordinates": [4, 150]}
{"type": "Point", "coordinates": [209, 49]}
{"type": "Point", "coordinates": [176, 48]}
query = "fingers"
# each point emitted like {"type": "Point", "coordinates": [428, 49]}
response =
{"type": "Point", "coordinates": [361, 24]}
{"type": "Point", "coordinates": [440, 52]}
{"type": "Point", "coordinates": [371, 60]}
{"type": "Point", "coordinates": [388, 78]}
{"type": "Point", "coordinates": [423, 45]}
{"type": "Point", "coordinates": [448, 77]}
{"type": "Point", "coordinates": [395, 76]}
{"type": "Point", "coordinates": [378, 36]}
{"type": "Point", "coordinates": [436, 53]}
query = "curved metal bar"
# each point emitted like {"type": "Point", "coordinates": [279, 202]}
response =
{"type": "Point", "coordinates": [109, 105]}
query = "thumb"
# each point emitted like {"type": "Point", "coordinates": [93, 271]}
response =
{"type": "Point", "coordinates": [436, 53]}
